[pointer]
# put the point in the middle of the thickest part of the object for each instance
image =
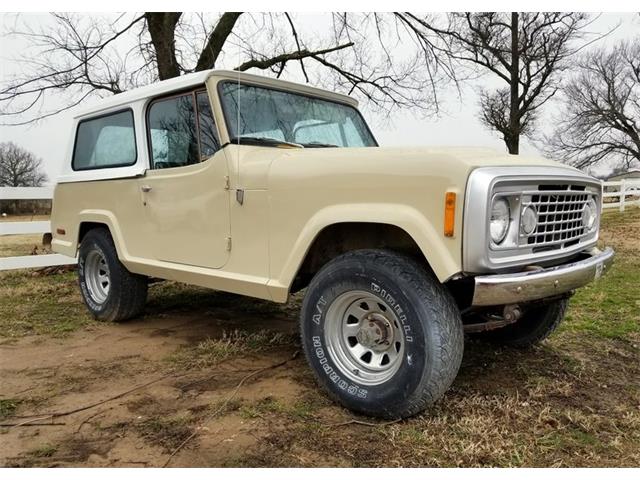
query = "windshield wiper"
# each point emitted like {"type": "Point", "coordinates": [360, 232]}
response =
{"type": "Point", "coordinates": [319, 145]}
{"type": "Point", "coordinates": [246, 140]}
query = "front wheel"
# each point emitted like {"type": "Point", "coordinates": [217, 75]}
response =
{"type": "Point", "coordinates": [536, 324]}
{"type": "Point", "coordinates": [381, 334]}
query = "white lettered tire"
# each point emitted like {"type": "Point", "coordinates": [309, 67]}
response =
{"type": "Point", "coordinates": [381, 333]}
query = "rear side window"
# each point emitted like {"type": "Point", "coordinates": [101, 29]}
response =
{"type": "Point", "coordinates": [172, 131]}
{"type": "Point", "coordinates": [181, 130]}
{"type": "Point", "coordinates": [105, 142]}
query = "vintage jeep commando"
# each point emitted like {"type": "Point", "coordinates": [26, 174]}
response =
{"type": "Point", "coordinates": [263, 187]}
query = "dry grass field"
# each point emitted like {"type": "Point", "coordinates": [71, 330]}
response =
{"type": "Point", "coordinates": [16, 245]}
{"type": "Point", "coordinates": [212, 379]}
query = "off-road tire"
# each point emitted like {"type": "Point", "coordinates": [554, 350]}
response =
{"type": "Point", "coordinates": [533, 327]}
{"type": "Point", "coordinates": [431, 323]}
{"type": "Point", "coordinates": [127, 293]}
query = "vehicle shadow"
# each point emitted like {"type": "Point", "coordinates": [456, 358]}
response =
{"type": "Point", "coordinates": [203, 314]}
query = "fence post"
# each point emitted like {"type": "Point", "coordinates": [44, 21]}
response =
{"type": "Point", "coordinates": [622, 195]}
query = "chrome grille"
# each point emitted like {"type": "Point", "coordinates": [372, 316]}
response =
{"type": "Point", "coordinates": [559, 216]}
{"type": "Point", "coordinates": [554, 191]}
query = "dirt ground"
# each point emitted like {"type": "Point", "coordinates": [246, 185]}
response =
{"type": "Point", "coordinates": [212, 379]}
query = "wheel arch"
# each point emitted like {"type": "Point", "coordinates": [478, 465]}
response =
{"type": "Point", "coordinates": [342, 237]}
{"type": "Point", "coordinates": [397, 227]}
{"type": "Point", "coordinates": [89, 220]}
{"type": "Point", "coordinates": [85, 227]}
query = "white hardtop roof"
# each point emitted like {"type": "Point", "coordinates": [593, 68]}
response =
{"type": "Point", "coordinates": [190, 80]}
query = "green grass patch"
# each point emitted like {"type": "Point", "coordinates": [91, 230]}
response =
{"type": "Point", "coordinates": [412, 434]}
{"type": "Point", "coordinates": [168, 432]}
{"type": "Point", "coordinates": [300, 410]}
{"type": "Point", "coordinates": [610, 307]}
{"type": "Point", "coordinates": [221, 408]}
{"type": "Point", "coordinates": [44, 451]}
{"type": "Point", "coordinates": [570, 439]}
{"type": "Point", "coordinates": [8, 406]}
{"type": "Point", "coordinates": [40, 304]}
{"type": "Point", "coordinates": [213, 350]}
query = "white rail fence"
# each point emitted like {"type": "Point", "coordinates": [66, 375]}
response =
{"type": "Point", "coordinates": [29, 228]}
{"type": "Point", "coordinates": [625, 193]}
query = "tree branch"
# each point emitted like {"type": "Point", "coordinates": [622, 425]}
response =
{"type": "Point", "coordinates": [601, 111]}
{"type": "Point", "coordinates": [216, 40]}
{"type": "Point", "coordinates": [286, 57]}
{"type": "Point", "coordinates": [295, 36]}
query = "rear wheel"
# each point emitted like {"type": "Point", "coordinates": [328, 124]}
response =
{"type": "Point", "coordinates": [109, 290]}
{"type": "Point", "coordinates": [381, 334]}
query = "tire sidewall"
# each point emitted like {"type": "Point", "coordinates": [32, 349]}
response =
{"type": "Point", "coordinates": [396, 394]}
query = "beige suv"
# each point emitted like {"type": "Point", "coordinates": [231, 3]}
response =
{"type": "Point", "coordinates": [263, 187]}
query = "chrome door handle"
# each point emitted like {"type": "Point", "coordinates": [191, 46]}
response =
{"type": "Point", "coordinates": [145, 188]}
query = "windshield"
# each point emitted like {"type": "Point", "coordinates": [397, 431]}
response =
{"type": "Point", "coordinates": [270, 116]}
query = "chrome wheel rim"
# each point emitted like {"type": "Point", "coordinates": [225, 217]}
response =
{"type": "Point", "coordinates": [364, 337]}
{"type": "Point", "coordinates": [96, 272]}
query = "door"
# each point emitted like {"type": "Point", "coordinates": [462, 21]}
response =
{"type": "Point", "coordinates": [184, 192]}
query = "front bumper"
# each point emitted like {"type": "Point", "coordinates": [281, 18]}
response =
{"type": "Point", "coordinates": [523, 287]}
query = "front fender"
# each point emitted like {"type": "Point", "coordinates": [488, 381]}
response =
{"type": "Point", "coordinates": [443, 254]}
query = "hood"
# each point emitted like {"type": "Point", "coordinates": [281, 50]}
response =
{"type": "Point", "coordinates": [470, 157]}
{"type": "Point", "coordinates": [451, 165]}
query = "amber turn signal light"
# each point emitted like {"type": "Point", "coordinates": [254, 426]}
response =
{"type": "Point", "coordinates": [449, 213]}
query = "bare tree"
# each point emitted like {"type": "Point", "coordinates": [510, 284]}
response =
{"type": "Point", "coordinates": [19, 168]}
{"type": "Point", "coordinates": [76, 56]}
{"type": "Point", "coordinates": [523, 51]}
{"type": "Point", "coordinates": [600, 118]}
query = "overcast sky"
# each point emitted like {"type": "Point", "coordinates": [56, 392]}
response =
{"type": "Point", "coordinates": [456, 125]}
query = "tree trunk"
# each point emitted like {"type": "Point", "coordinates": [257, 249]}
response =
{"type": "Point", "coordinates": [513, 140]}
{"type": "Point", "coordinates": [162, 27]}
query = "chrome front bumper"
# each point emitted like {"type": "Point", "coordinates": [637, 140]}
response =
{"type": "Point", "coordinates": [522, 287]}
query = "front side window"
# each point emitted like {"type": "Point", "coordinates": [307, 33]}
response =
{"type": "Point", "coordinates": [105, 142]}
{"type": "Point", "coordinates": [256, 113]}
{"type": "Point", "coordinates": [181, 130]}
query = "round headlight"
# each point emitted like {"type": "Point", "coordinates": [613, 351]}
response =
{"type": "Point", "coordinates": [589, 214]}
{"type": "Point", "coordinates": [528, 219]}
{"type": "Point", "coordinates": [499, 223]}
